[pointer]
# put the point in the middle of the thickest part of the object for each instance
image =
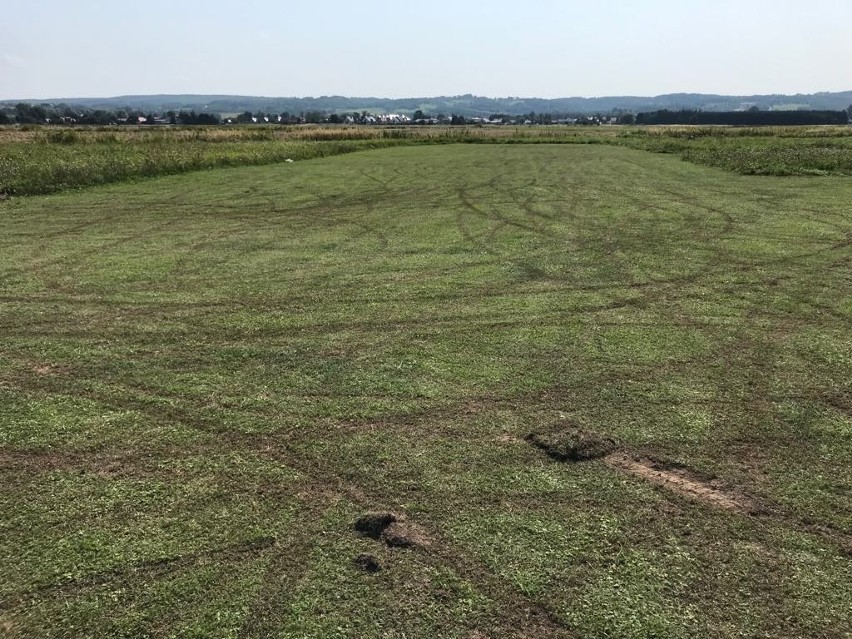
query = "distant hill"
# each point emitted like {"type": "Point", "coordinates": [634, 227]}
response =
{"type": "Point", "coordinates": [465, 105]}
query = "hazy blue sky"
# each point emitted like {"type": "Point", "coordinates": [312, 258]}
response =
{"type": "Point", "coordinates": [546, 48]}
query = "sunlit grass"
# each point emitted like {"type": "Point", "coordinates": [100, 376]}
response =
{"type": "Point", "coordinates": [206, 378]}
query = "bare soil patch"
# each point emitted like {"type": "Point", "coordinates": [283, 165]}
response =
{"type": "Point", "coordinates": [49, 369]}
{"type": "Point", "coordinates": [683, 482]}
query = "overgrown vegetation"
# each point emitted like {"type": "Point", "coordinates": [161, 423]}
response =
{"type": "Point", "coordinates": [207, 381]}
{"type": "Point", "coordinates": [754, 151]}
{"type": "Point", "coordinates": [48, 160]}
{"type": "Point", "coordinates": [62, 159]}
{"type": "Point", "coordinates": [38, 160]}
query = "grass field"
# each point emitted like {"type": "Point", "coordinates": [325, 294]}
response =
{"type": "Point", "coordinates": [206, 379]}
{"type": "Point", "coordinates": [42, 160]}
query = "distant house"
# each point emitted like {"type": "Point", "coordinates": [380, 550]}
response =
{"type": "Point", "coordinates": [391, 118]}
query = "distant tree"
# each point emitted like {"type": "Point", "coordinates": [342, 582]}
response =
{"type": "Point", "coordinates": [419, 115]}
{"type": "Point", "coordinates": [314, 117]}
{"type": "Point", "coordinates": [754, 109]}
{"type": "Point", "coordinates": [457, 120]}
{"type": "Point", "coordinates": [245, 117]}
{"type": "Point", "coordinates": [744, 118]}
{"type": "Point", "coordinates": [191, 117]}
{"type": "Point", "coordinates": [65, 111]}
{"type": "Point", "coordinates": [98, 117]}
{"type": "Point", "coordinates": [5, 118]}
{"type": "Point", "coordinates": [29, 114]}
{"type": "Point", "coordinates": [627, 118]}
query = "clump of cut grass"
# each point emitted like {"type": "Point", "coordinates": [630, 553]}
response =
{"type": "Point", "coordinates": [567, 443]}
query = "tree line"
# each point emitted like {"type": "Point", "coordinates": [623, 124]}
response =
{"type": "Point", "coordinates": [23, 113]}
{"type": "Point", "coordinates": [63, 114]}
{"type": "Point", "coordinates": [752, 117]}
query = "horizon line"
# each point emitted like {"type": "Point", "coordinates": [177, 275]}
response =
{"type": "Point", "coordinates": [416, 97]}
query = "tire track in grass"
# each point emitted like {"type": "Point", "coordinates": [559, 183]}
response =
{"type": "Point", "coordinates": [492, 216]}
{"type": "Point", "coordinates": [148, 569]}
{"type": "Point", "coordinates": [570, 445]}
{"type": "Point", "coordinates": [76, 258]}
{"type": "Point", "coordinates": [680, 481]}
{"type": "Point", "coordinates": [288, 567]}
{"type": "Point", "coordinates": [515, 609]}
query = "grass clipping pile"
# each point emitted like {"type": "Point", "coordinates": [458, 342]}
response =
{"type": "Point", "coordinates": [572, 444]}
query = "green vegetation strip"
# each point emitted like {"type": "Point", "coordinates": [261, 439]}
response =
{"type": "Point", "coordinates": [38, 161]}
{"type": "Point", "coordinates": [206, 379]}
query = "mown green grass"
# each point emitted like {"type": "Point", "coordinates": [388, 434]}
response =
{"type": "Point", "coordinates": [205, 379]}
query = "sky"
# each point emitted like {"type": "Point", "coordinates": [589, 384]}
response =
{"type": "Point", "coordinates": [543, 48]}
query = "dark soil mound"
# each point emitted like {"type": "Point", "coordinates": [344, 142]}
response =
{"type": "Point", "coordinates": [571, 444]}
{"type": "Point", "coordinates": [393, 530]}
{"type": "Point", "coordinates": [373, 524]}
{"type": "Point", "coordinates": [368, 563]}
